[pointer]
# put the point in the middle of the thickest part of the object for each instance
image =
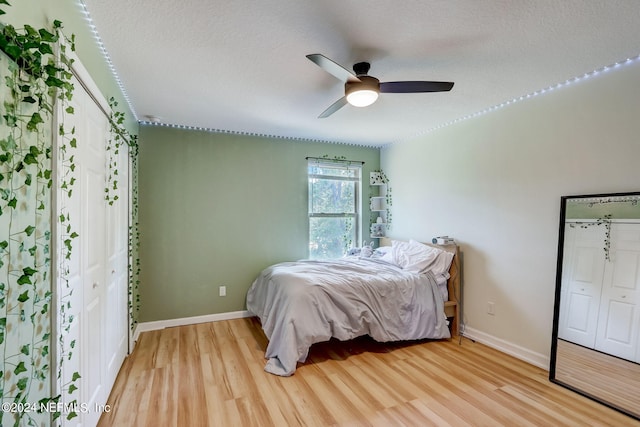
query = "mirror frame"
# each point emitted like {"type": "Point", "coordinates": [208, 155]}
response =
{"type": "Point", "coordinates": [556, 308]}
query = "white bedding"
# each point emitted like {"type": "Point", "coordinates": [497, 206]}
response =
{"type": "Point", "coordinates": [305, 302]}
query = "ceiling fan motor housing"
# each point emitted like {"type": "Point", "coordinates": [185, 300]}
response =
{"type": "Point", "coordinates": [361, 68]}
{"type": "Point", "coordinates": [365, 83]}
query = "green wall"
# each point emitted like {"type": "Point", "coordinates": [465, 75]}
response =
{"type": "Point", "coordinates": [216, 209]}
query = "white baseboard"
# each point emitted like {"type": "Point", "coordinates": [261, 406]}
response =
{"type": "Point", "coordinates": [161, 324]}
{"type": "Point", "coordinates": [536, 359]}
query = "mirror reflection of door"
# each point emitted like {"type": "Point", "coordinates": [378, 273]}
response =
{"type": "Point", "coordinates": [597, 325]}
{"type": "Point", "coordinates": [619, 316]}
{"type": "Point", "coordinates": [581, 283]}
{"type": "Point", "coordinates": [600, 297]}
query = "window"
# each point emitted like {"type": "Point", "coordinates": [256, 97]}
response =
{"type": "Point", "coordinates": [334, 207]}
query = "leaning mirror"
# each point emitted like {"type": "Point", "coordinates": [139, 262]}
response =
{"type": "Point", "coordinates": [595, 349]}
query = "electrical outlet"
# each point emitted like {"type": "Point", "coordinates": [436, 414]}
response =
{"type": "Point", "coordinates": [223, 291]}
{"type": "Point", "coordinates": [491, 308]}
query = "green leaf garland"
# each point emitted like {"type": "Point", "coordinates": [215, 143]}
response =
{"type": "Point", "coordinates": [33, 78]}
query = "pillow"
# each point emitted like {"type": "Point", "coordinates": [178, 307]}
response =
{"type": "Point", "coordinates": [388, 254]}
{"type": "Point", "coordinates": [396, 253]}
{"type": "Point", "coordinates": [413, 256]}
{"type": "Point", "coordinates": [418, 258]}
{"type": "Point", "coordinates": [429, 258]}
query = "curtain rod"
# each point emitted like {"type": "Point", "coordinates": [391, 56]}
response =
{"type": "Point", "coordinates": [326, 159]}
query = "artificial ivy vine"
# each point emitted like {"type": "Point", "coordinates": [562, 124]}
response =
{"type": "Point", "coordinates": [381, 178]}
{"type": "Point", "coordinates": [606, 221]}
{"type": "Point", "coordinates": [66, 169]}
{"type": "Point", "coordinates": [607, 236]}
{"type": "Point", "coordinates": [134, 240]}
{"type": "Point", "coordinates": [118, 136]}
{"type": "Point", "coordinates": [36, 75]}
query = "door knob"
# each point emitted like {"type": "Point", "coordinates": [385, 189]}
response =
{"type": "Point", "coordinates": [95, 285]}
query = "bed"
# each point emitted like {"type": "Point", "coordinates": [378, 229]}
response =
{"type": "Point", "coordinates": [402, 291]}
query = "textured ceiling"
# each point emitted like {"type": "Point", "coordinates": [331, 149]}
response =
{"type": "Point", "coordinates": [240, 65]}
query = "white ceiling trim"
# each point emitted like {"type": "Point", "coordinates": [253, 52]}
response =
{"type": "Point", "coordinates": [250, 134]}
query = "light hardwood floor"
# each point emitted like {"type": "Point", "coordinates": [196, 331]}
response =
{"type": "Point", "coordinates": [211, 374]}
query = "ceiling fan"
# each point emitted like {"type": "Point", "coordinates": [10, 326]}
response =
{"type": "Point", "coordinates": [361, 89]}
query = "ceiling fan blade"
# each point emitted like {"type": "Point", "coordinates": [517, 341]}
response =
{"type": "Point", "coordinates": [415, 86]}
{"type": "Point", "coordinates": [333, 68]}
{"type": "Point", "coordinates": [334, 107]}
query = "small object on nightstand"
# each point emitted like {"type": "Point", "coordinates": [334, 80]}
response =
{"type": "Point", "coordinates": [442, 240]}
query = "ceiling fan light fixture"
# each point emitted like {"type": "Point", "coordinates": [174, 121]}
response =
{"type": "Point", "coordinates": [364, 92]}
{"type": "Point", "coordinates": [362, 98]}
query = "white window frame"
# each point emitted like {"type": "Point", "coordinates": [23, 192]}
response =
{"type": "Point", "coordinates": [356, 216]}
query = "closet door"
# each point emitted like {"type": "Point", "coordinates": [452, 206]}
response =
{"type": "Point", "coordinates": [93, 129]}
{"type": "Point", "coordinates": [85, 301]}
{"type": "Point", "coordinates": [619, 317]}
{"type": "Point", "coordinates": [582, 284]}
{"type": "Point", "coordinates": [117, 272]}
{"type": "Point", "coordinates": [96, 299]}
